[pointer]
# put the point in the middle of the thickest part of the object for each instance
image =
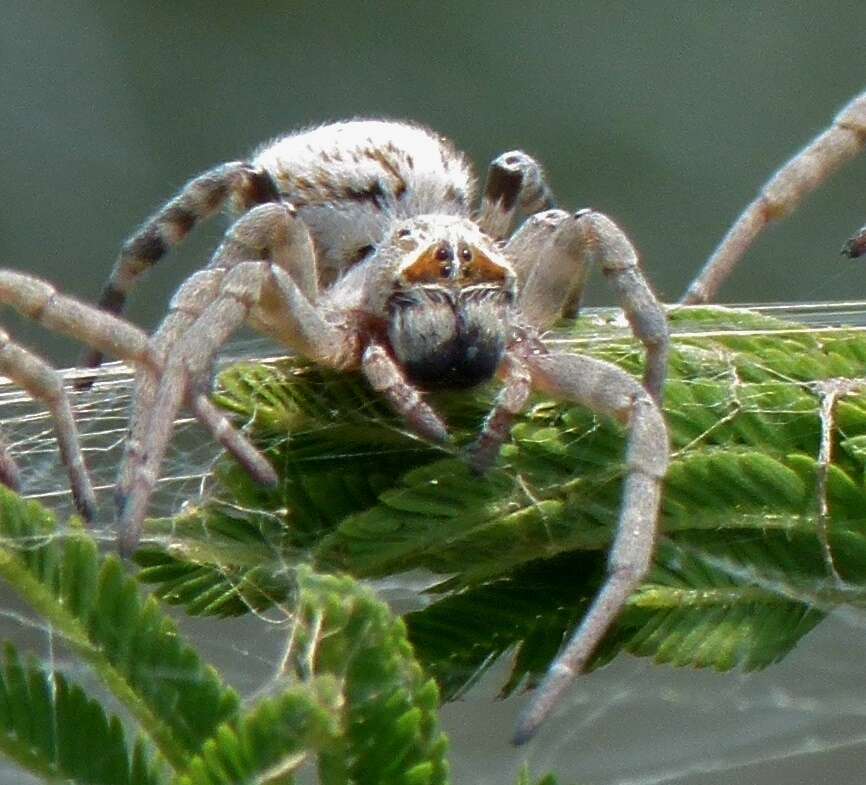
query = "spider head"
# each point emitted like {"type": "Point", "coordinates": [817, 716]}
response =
{"type": "Point", "coordinates": [448, 312]}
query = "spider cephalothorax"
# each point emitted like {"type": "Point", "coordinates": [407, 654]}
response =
{"type": "Point", "coordinates": [357, 248]}
{"type": "Point", "coordinates": [448, 313]}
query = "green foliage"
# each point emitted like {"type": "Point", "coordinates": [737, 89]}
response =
{"type": "Point", "coordinates": [50, 727]}
{"type": "Point", "coordinates": [740, 572]}
{"type": "Point", "coordinates": [353, 699]}
{"type": "Point", "coordinates": [390, 716]}
{"type": "Point", "coordinates": [271, 740]}
{"type": "Point", "coordinates": [96, 608]}
{"type": "Point", "coordinates": [744, 568]}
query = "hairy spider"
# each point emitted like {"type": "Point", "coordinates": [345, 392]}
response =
{"type": "Point", "coordinates": [783, 192]}
{"type": "Point", "coordinates": [357, 248]}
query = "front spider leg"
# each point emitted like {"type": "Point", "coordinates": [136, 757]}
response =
{"type": "Point", "coordinates": [512, 397]}
{"type": "Point", "coordinates": [553, 250]}
{"type": "Point", "coordinates": [258, 292]}
{"type": "Point", "coordinates": [611, 392]}
{"type": "Point", "coordinates": [800, 176]}
{"type": "Point", "coordinates": [270, 231]}
{"type": "Point", "coordinates": [39, 301]}
{"type": "Point", "coordinates": [515, 181]}
{"type": "Point", "coordinates": [386, 378]}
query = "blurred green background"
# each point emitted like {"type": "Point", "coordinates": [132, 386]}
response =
{"type": "Point", "coordinates": [666, 115]}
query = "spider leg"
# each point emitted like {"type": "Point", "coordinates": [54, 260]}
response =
{"type": "Point", "coordinates": [386, 377]}
{"type": "Point", "coordinates": [555, 249]}
{"type": "Point", "coordinates": [512, 397]}
{"type": "Point", "coordinates": [40, 302]}
{"type": "Point", "coordinates": [801, 175]}
{"type": "Point", "coordinates": [206, 312]}
{"type": "Point", "coordinates": [611, 392]}
{"type": "Point", "coordinates": [200, 198]}
{"type": "Point", "coordinates": [550, 275]}
{"type": "Point", "coordinates": [45, 384]}
{"type": "Point", "coordinates": [270, 230]}
{"type": "Point", "coordinates": [515, 182]}
{"type": "Point", "coordinates": [10, 474]}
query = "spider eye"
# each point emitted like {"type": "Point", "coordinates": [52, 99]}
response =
{"type": "Point", "coordinates": [433, 265]}
{"type": "Point", "coordinates": [478, 267]}
{"type": "Point", "coordinates": [404, 232]}
{"type": "Point", "coordinates": [444, 252]}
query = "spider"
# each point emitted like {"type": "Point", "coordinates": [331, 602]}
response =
{"type": "Point", "coordinates": [827, 152]}
{"type": "Point", "coordinates": [356, 247]}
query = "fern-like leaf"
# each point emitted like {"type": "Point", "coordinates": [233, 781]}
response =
{"type": "Point", "coordinates": [355, 697]}
{"type": "Point", "coordinates": [95, 606]}
{"type": "Point", "coordinates": [49, 727]}
{"type": "Point", "coordinates": [390, 718]}
{"type": "Point", "coordinates": [740, 573]}
{"type": "Point", "coordinates": [271, 740]}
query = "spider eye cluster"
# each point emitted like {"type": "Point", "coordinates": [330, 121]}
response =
{"type": "Point", "coordinates": [464, 265]}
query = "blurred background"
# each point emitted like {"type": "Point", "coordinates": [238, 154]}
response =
{"type": "Point", "coordinates": [666, 115]}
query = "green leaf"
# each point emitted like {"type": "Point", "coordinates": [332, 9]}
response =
{"type": "Point", "coordinates": [354, 696]}
{"type": "Point", "coordinates": [271, 740]}
{"type": "Point", "coordinates": [740, 572]}
{"type": "Point", "coordinates": [390, 715]}
{"type": "Point", "coordinates": [94, 605]}
{"type": "Point", "coordinates": [49, 727]}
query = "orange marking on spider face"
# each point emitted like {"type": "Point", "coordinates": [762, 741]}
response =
{"type": "Point", "coordinates": [477, 267]}
{"type": "Point", "coordinates": [434, 264]}
{"type": "Point", "coordinates": [440, 262]}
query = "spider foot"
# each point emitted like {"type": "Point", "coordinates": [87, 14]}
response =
{"type": "Point", "coordinates": [481, 455]}
{"type": "Point", "coordinates": [10, 474]}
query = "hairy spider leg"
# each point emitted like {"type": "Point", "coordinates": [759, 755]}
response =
{"type": "Point", "coordinates": [552, 253]}
{"type": "Point", "coordinates": [515, 183]}
{"type": "Point", "coordinates": [261, 292]}
{"type": "Point", "coordinates": [801, 175]}
{"type": "Point", "coordinates": [608, 390]}
{"type": "Point", "coordinates": [40, 302]}
{"type": "Point", "coordinates": [201, 198]}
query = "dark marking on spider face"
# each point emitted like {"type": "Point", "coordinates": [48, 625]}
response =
{"type": "Point", "coordinates": [448, 340]}
{"type": "Point", "coordinates": [466, 266]}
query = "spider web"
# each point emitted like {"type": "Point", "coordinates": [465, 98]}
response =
{"type": "Point", "coordinates": [631, 723]}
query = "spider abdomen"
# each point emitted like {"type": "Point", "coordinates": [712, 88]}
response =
{"type": "Point", "coordinates": [349, 181]}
